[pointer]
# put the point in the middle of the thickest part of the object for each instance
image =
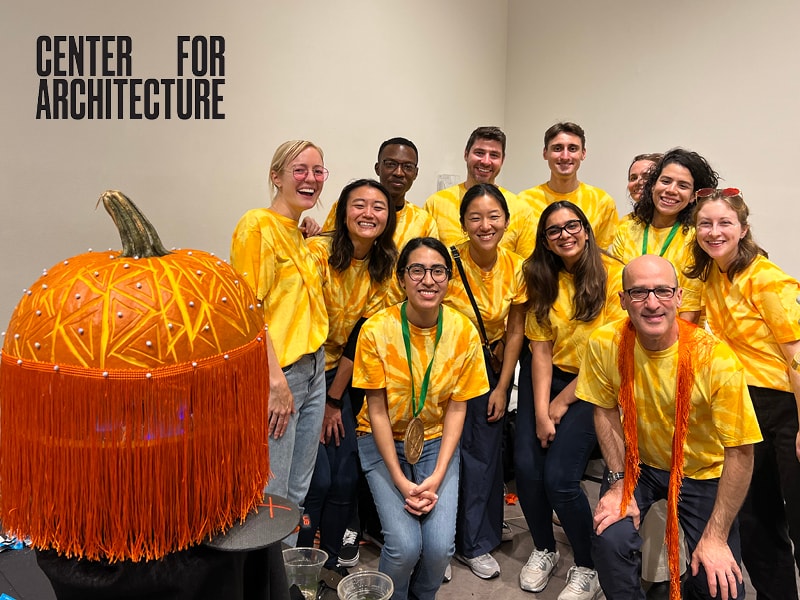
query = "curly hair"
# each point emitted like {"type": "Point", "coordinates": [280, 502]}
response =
{"type": "Point", "coordinates": [702, 174]}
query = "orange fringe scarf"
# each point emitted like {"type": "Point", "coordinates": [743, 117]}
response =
{"type": "Point", "coordinates": [683, 394]}
{"type": "Point", "coordinates": [128, 464]}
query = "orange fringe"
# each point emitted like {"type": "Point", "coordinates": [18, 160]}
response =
{"type": "Point", "coordinates": [683, 402]}
{"type": "Point", "coordinates": [132, 464]}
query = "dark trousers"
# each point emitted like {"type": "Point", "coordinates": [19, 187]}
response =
{"type": "Point", "coordinates": [331, 498]}
{"type": "Point", "coordinates": [770, 516]}
{"type": "Point", "coordinates": [550, 478]}
{"type": "Point", "coordinates": [617, 555]}
{"type": "Point", "coordinates": [480, 506]}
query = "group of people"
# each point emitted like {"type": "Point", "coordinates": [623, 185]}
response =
{"type": "Point", "coordinates": [668, 338]}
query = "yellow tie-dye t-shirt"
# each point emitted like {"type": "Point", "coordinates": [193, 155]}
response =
{"type": "Point", "coordinates": [596, 204]}
{"type": "Point", "coordinates": [628, 245]}
{"type": "Point", "coordinates": [346, 294]}
{"type": "Point", "coordinates": [721, 413]}
{"type": "Point", "coordinates": [457, 372]}
{"type": "Point", "coordinates": [445, 206]}
{"type": "Point", "coordinates": [270, 253]}
{"type": "Point", "coordinates": [569, 336]}
{"type": "Point", "coordinates": [495, 291]}
{"type": "Point", "coordinates": [412, 222]}
{"type": "Point", "coordinates": [754, 314]}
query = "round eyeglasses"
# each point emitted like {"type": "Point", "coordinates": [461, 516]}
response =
{"type": "Point", "coordinates": [439, 273]}
{"type": "Point", "coordinates": [572, 227]}
{"type": "Point", "coordinates": [300, 173]}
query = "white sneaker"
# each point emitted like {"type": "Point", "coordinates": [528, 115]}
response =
{"type": "Point", "coordinates": [538, 570]}
{"type": "Point", "coordinates": [484, 566]}
{"type": "Point", "coordinates": [448, 574]}
{"type": "Point", "coordinates": [582, 584]}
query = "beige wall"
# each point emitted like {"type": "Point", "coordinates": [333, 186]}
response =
{"type": "Point", "coordinates": [347, 74]}
{"type": "Point", "coordinates": [719, 77]}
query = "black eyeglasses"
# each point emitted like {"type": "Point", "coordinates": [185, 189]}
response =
{"type": "Point", "coordinates": [391, 165]}
{"type": "Point", "coordinates": [717, 193]}
{"type": "Point", "coordinates": [300, 173]}
{"type": "Point", "coordinates": [572, 227]}
{"type": "Point", "coordinates": [661, 292]}
{"type": "Point", "coordinates": [439, 273]}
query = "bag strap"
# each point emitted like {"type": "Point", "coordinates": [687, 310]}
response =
{"type": "Point", "coordinates": [457, 258]}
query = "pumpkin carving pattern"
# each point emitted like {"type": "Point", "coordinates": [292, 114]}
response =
{"type": "Point", "coordinates": [133, 394]}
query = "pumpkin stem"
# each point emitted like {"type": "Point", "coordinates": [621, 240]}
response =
{"type": "Point", "coordinates": [138, 236]}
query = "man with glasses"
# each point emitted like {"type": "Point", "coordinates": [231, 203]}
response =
{"type": "Point", "coordinates": [564, 151]}
{"type": "Point", "coordinates": [674, 420]}
{"type": "Point", "coordinates": [397, 168]}
{"type": "Point", "coordinates": [484, 155]}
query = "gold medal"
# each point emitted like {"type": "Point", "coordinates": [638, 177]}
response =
{"type": "Point", "coordinates": [414, 440]}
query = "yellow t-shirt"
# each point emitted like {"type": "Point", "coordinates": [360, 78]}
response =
{"type": "Point", "coordinates": [598, 206]}
{"type": "Point", "coordinates": [628, 245]}
{"type": "Point", "coordinates": [569, 336]}
{"type": "Point", "coordinates": [754, 314]}
{"type": "Point", "coordinates": [269, 252]}
{"type": "Point", "coordinates": [721, 414]}
{"type": "Point", "coordinates": [346, 294]}
{"type": "Point", "coordinates": [412, 222]}
{"type": "Point", "coordinates": [495, 291]}
{"type": "Point", "coordinates": [457, 372]}
{"type": "Point", "coordinates": [445, 206]}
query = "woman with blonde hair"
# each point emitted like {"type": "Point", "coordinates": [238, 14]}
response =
{"type": "Point", "coordinates": [270, 253]}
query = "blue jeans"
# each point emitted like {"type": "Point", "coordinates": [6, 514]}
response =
{"type": "Point", "coordinates": [292, 456]}
{"type": "Point", "coordinates": [617, 550]}
{"type": "Point", "coordinates": [416, 550]}
{"type": "Point", "coordinates": [550, 478]}
{"type": "Point", "coordinates": [331, 499]}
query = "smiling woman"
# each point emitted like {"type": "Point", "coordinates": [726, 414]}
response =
{"type": "Point", "coordinates": [355, 262]}
{"type": "Point", "coordinates": [417, 382]}
{"type": "Point", "coordinates": [270, 253]}
{"type": "Point", "coordinates": [661, 220]}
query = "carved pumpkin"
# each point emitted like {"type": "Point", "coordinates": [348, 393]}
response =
{"type": "Point", "coordinates": [133, 395]}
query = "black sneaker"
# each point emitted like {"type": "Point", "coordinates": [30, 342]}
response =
{"type": "Point", "coordinates": [348, 554]}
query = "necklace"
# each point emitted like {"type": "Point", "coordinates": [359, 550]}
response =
{"type": "Point", "coordinates": [415, 431]}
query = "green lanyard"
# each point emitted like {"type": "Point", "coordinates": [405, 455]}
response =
{"type": "Point", "coordinates": [667, 242]}
{"type": "Point", "coordinates": [407, 341]}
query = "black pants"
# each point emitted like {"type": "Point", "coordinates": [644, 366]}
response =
{"type": "Point", "coordinates": [770, 517]}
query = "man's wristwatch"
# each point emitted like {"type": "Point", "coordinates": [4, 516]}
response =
{"type": "Point", "coordinates": [614, 476]}
{"type": "Point", "coordinates": [334, 402]}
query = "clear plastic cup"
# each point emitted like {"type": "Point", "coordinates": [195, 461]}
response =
{"type": "Point", "coordinates": [365, 585]}
{"type": "Point", "coordinates": [303, 566]}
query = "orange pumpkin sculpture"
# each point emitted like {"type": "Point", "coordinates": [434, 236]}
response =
{"type": "Point", "coordinates": [133, 395]}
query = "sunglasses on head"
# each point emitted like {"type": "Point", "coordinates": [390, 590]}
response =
{"type": "Point", "coordinates": [717, 193]}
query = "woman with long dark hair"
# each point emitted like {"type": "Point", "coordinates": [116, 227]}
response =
{"type": "Point", "coordinates": [572, 290]}
{"type": "Point", "coordinates": [356, 262]}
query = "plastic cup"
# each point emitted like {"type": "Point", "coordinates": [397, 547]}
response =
{"type": "Point", "coordinates": [365, 585]}
{"type": "Point", "coordinates": [303, 566]}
